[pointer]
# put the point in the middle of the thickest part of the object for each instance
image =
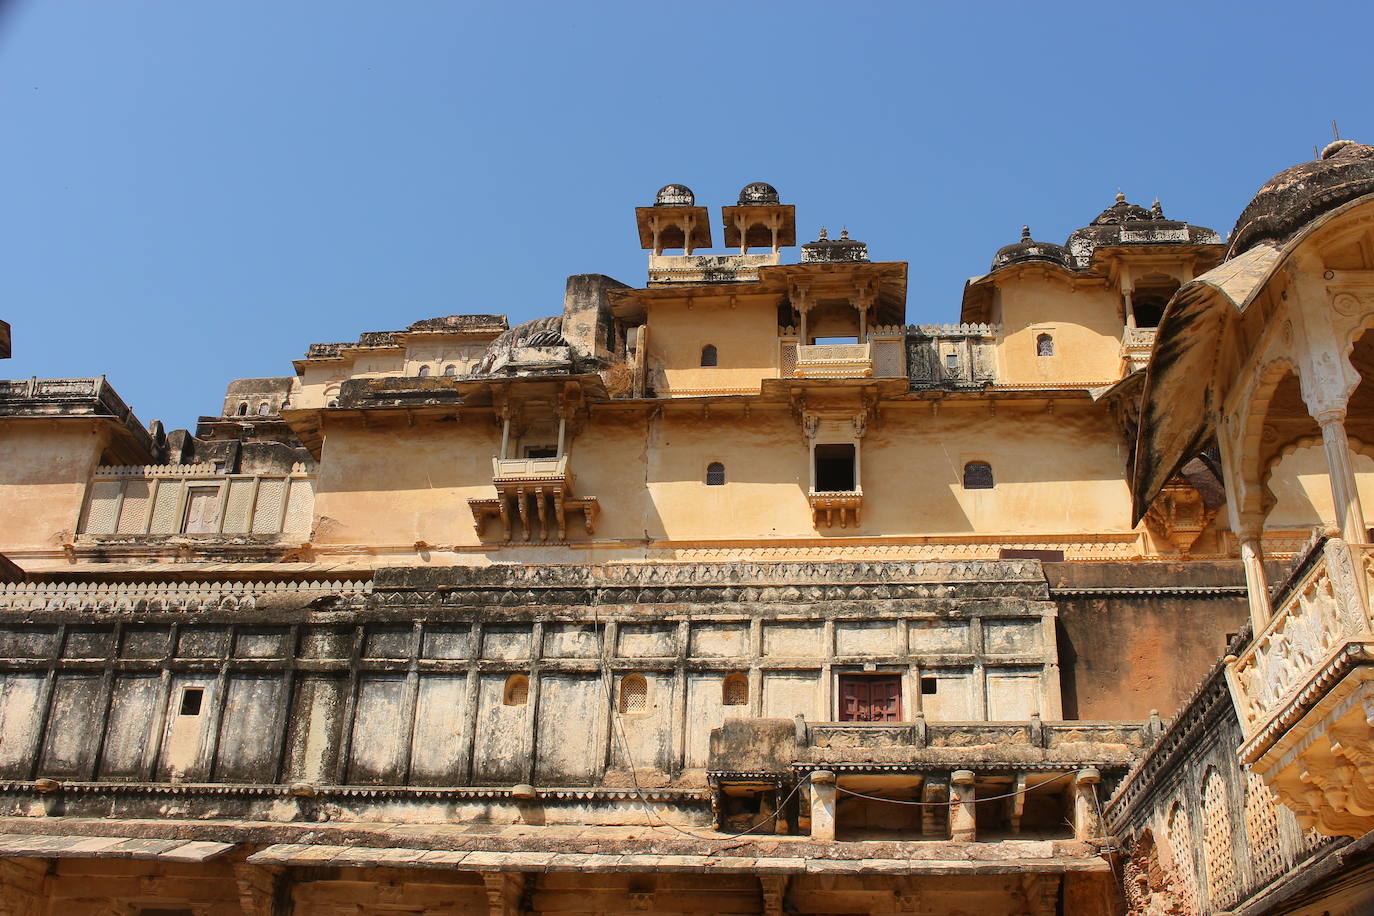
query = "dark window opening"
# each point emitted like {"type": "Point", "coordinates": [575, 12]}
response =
{"type": "Point", "coordinates": [1044, 345]}
{"type": "Point", "coordinates": [243, 408]}
{"type": "Point", "coordinates": [708, 355]}
{"type": "Point", "coordinates": [928, 686]}
{"type": "Point", "coordinates": [1148, 310]}
{"type": "Point", "coordinates": [715, 474]}
{"type": "Point", "coordinates": [190, 701]}
{"type": "Point", "coordinates": [951, 360]}
{"type": "Point", "coordinates": [978, 476]}
{"type": "Point", "coordinates": [834, 468]}
{"type": "Point", "coordinates": [541, 451]}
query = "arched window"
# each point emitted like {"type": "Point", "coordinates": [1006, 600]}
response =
{"type": "Point", "coordinates": [332, 404]}
{"type": "Point", "coordinates": [243, 408]}
{"type": "Point", "coordinates": [734, 691]}
{"type": "Point", "coordinates": [1218, 842]}
{"type": "Point", "coordinates": [977, 476]}
{"type": "Point", "coordinates": [708, 355]}
{"type": "Point", "coordinates": [517, 692]}
{"type": "Point", "coordinates": [424, 372]}
{"type": "Point", "coordinates": [1044, 345]}
{"type": "Point", "coordinates": [715, 474]}
{"type": "Point", "coordinates": [450, 370]}
{"type": "Point", "coordinates": [264, 409]}
{"type": "Point", "coordinates": [634, 694]}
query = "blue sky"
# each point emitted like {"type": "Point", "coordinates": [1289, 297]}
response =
{"type": "Point", "coordinates": [196, 191]}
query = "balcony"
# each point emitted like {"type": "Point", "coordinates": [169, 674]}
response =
{"type": "Point", "coordinates": [845, 360]}
{"type": "Point", "coordinates": [832, 507]}
{"type": "Point", "coordinates": [1304, 690]}
{"type": "Point", "coordinates": [536, 493]}
{"type": "Point", "coordinates": [1136, 344]}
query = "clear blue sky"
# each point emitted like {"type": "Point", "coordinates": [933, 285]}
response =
{"type": "Point", "coordinates": [196, 191]}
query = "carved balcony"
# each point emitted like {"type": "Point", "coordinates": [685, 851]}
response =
{"type": "Point", "coordinates": [836, 508]}
{"type": "Point", "coordinates": [536, 494]}
{"type": "Point", "coordinates": [834, 361]}
{"type": "Point", "coordinates": [1136, 345]}
{"type": "Point", "coordinates": [1304, 690]}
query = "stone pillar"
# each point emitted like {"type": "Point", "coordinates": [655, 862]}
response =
{"type": "Point", "coordinates": [963, 819]}
{"type": "Point", "coordinates": [1086, 823]}
{"type": "Point", "coordinates": [1344, 494]}
{"type": "Point", "coordinates": [1256, 585]}
{"type": "Point", "coordinates": [822, 805]}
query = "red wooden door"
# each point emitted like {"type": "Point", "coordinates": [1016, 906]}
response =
{"type": "Point", "coordinates": [870, 699]}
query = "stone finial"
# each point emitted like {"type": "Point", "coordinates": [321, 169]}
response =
{"type": "Point", "coordinates": [823, 236]}
{"type": "Point", "coordinates": [1025, 234]}
{"type": "Point", "coordinates": [1120, 197]}
{"type": "Point", "coordinates": [844, 232]}
{"type": "Point", "coordinates": [1157, 209]}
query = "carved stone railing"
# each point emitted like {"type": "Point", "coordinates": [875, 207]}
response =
{"type": "Point", "coordinates": [528, 468]}
{"type": "Point", "coordinates": [535, 494]}
{"type": "Point", "coordinates": [834, 361]}
{"type": "Point", "coordinates": [1304, 692]}
{"type": "Point", "coordinates": [193, 500]}
{"type": "Point", "coordinates": [1136, 345]}
{"type": "Point", "coordinates": [162, 596]}
{"type": "Point", "coordinates": [708, 268]}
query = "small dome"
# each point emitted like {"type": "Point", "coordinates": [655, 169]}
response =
{"type": "Point", "coordinates": [675, 195]}
{"type": "Point", "coordinates": [841, 249]}
{"type": "Point", "coordinates": [1298, 195]}
{"type": "Point", "coordinates": [758, 194]}
{"type": "Point", "coordinates": [1121, 212]}
{"type": "Point", "coordinates": [1029, 250]}
{"type": "Point", "coordinates": [1125, 223]}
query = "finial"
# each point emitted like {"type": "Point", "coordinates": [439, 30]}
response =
{"type": "Point", "coordinates": [822, 237]}
{"type": "Point", "coordinates": [1120, 197]}
{"type": "Point", "coordinates": [844, 232]}
{"type": "Point", "coordinates": [1025, 233]}
{"type": "Point", "coordinates": [1336, 131]}
{"type": "Point", "coordinates": [1157, 209]}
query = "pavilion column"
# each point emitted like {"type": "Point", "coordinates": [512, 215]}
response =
{"type": "Point", "coordinates": [822, 805]}
{"type": "Point", "coordinates": [1086, 823]}
{"type": "Point", "coordinates": [963, 815]}
{"type": "Point", "coordinates": [1256, 585]}
{"type": "Point", "coordinates": [1344, 494]}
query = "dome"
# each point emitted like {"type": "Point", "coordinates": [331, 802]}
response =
{"type": "Point", "coordinates": [1029, 250]}
{"type": "Point", "coordinates": [758, 194]}
{"type": "Point", "coordinates": [675, 195]}
{"type": "Point", "coordinates": [1125, 223]}
{"type": "Point", "coordinates": [1297, 195]}
{"type": "Point", "coordinates": [1122, 212]}
{"type": "Point", "coordinates": [841, 249]}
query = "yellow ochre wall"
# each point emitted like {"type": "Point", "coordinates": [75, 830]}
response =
{"type": "Point", "coordinates": [45, 466]}
{"type": "Point", "coordinates": [1085, 323]}
{"type": "Point", "coordinates": [745, 338]}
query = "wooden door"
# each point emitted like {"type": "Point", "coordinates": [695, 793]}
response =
{"type": "Point", "coordinates": [866, 698]}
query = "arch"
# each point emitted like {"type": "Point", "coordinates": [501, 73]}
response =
{"type": "Point", "coordinates": [634, 694]}
{"type": "Point", "coordinates": [1044, 344]}
{"type": "Point", "coordinates": [715, 474]}
{"type": "Point", "coordinates": [517, 691]}
{"type": "Point", "coordinates": [1218, 845]}
{"type": "Point", "coordinates": [424, 372]}
{"type": "Point", "coordinates": [1178, 834]}
{"type": "Point", "coordinates": [243, 408]}
{"type": "Point", "coordinates": [264, 409]}
{"type": "Point", "coordinates": [450, 370]}
{"type": "Point", "coordinates": [709, 356]}
{"type": "Point", "coordinates": [734, 690]}
{"type": "Point", "coordinates": [978, 476]}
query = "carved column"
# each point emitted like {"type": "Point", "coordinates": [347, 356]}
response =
{"type": "Point", "coordinates": [504, 889]}
{"type": "Point", "coordinates": [1086, 823]}
{"type": "Point", "coordinates": [963, 818]}
{"type": "Point", "coordinates": [822, 805]}
{"type": "Point", "coordinates": [1344, 494]}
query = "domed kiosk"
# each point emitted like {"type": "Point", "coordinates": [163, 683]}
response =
{"type": "Point", "coordinates": [759, 220]}
{"type": "Point", "coordinates": [673, 222]}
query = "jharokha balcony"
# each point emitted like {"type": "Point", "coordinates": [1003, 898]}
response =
{"type": "Point", "coordinates": [536, 493]}
{"type": "Point", "coordinates": [1305, 690]}
{"type": "Point", "coordinates": [838, 360]}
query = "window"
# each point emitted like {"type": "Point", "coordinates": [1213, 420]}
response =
{"type": "Point", "coordinates": [977, 476]}
{"type": "Point", "coordinates": [952, 361]}
{"type": "Point", "coordinates": [634, 694]}
{"type": "Point", "coordinates": [1044, 345]}
{"type": "Point", "coordinates": [332, 404]}
{"type": "Point", "coordinates": [708, 355]}
{"type": "Point", "coordinates": [190, 700]}
{"type": "Point", "coordinates": [541, 451]}
{"type": "Point", "coordinates": [517, 692]}
{"type": "Point", "coordinates": [835, 468]}
{"type": "Point", "coordinates": [715, 474]}
{"type": "Point", "coordinates": [424, 372]}
{"type": "Point", "coordinates": [450, 370]}
{"type": "Point", "coordinates": [870, 698]}
{"type": "Point", "coordinates": [1148, 310]}
{"type": "Point", "coordinates": [734, 691]}
{"type": "Point", "coordinates": [243, 408]}
{"type": "Point", "coordinates": [929, 686]}
{"type": "Point", "coordinates": [264, 409]}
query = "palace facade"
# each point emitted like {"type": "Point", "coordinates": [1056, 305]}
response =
{"type": "Point", "coordinates": [730, 592]}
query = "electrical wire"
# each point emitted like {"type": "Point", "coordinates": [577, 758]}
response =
{"type": "Point", "coordinates": [946, 804]}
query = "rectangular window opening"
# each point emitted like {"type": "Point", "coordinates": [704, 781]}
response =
{"type": "Point", "coordinates": [821, 341]}
{"type": "Point", "coordinates": [190, 700]}
{"type": "Point", "coordinates": [541, 451]}
{"type": "Point", "coordinates": [929, 686]}
{"type": "Point", "coordinates": [835, 468]}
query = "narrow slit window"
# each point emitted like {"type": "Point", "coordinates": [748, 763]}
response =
{"type": "Point", "coordinates": [735, 690]}
{"type": "Point", "coordinates": [634, 694]}
{"type": "Point", "coordinates": [517, 691]}
{"type": "Point", "coordinates": [708, 355]}
{"type": "Point", "coordinates": [1044, 345]}
{"type": "Point", "coordinates": [978, 476]}
{"type": "Point", "coordinates": [191, 699]}
{"type": "Point", "coordinates": [835, 468]}
{"type": "Point", "coordinates": [715, 474]}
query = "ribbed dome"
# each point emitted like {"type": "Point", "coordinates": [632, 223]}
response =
{"type": "Point", "coordinates": [1029, 250]}
{"type": "Point", "coordinates": [675, 195]}
{"type": "Point", "coordinates": [1297, 195]}
{"type": "Point", "coordinates": [758, 194]}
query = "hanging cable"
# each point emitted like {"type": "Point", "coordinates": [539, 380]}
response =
{"type": "Point", "coordinates": [946, 804]}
